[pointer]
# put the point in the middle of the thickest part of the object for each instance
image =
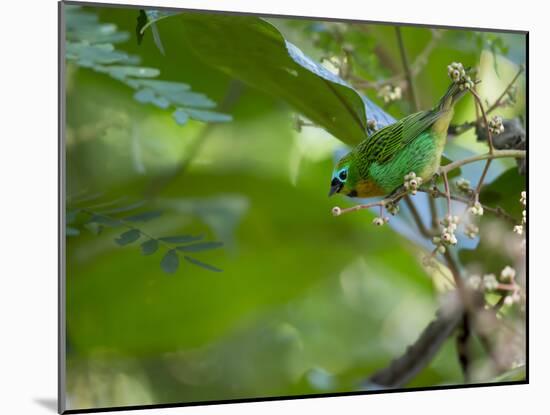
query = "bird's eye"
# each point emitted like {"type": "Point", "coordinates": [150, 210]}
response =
{"type": "Point", "coordinates": [343, 175]}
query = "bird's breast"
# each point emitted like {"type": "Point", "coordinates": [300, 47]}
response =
{"type": "Point", "coordinates": [368, 188]}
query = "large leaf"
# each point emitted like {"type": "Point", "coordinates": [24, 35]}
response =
{"type": "Point", "coordinates": [505, 192]}
{"type": "Point", "coordinates": [253, 50]}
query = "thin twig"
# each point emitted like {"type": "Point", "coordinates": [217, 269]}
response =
{"type": "Point", "coordinates": [336, 211]}
{"type": "Point", "coordinates": [408, 74]}
{"type": "Point", "coordinates": [494, 155]}
{"type": "Point", "coordinates": [459, 129]}
{"type": "Point", "coordinates": [482, 179]}
{"type": "Point", "coordinates": [485, 120]}
{"type": "Point", "coordinates": [495, 210]}
{"type": "Point", "coordinates": [415, 68]}
{"type": "Point", "coordinates": [418, 355]}
{"type": "Point", "coordinates": [417, 219]}
{"type": "Point", "coordinates": [462, 347]}
{"type": "Point", "coordinates": [447, 192]}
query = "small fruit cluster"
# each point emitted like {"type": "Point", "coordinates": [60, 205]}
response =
{"type": "Point", "coordinates": [459, 76]}
{"type": "Point", "coordinates": [505, 283]}
{"type": "Point", "coordinates": [496, 126]}
{"type": "Point", "coordinates": [412, 182]}
{"type": "Point", "coordinates": [463, 185]}
{"type": "Point", "coordinates": [390, 93]}
{"type": "Point", "coordinates": [447, 237]}
{"type": "Point", "coordinates": [476, 209]}
{"type": "Point", "coordinates": [523, 200]}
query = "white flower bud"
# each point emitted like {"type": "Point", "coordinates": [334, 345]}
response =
{"type": "Point", "coordinates": [523, 199]}
{"type": "Point", "coordinates": [508, 274]}
{"type": "Point", "coordinates": [490, 282]}
{"type": "Point", "coordinates": [518, 229]}
{"type": "Point", "coordinates": [378, 221]}
{"type": "Point", "coordinates": [474, 282]}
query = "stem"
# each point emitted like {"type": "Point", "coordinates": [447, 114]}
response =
{"type": "Point", "coordinates": [494, 155]}
{"type": "Point", "coordinates": [447, 192]}
{"type": "Point", "coordinates": [415, 68]}
{"type": "Point", "coordinates": [337, 211]}
{"type": "Point", "coordinates": [481, 179]}
{"type": "Point", "coordinates": [417, 219]}
{"type": "Point", "coordinates": [497, 211]}
{"type": "Point", "coordinates": [485, 120]}
{"type": "Point", "coordinates": [498, 102]}
{"type": "Point", "coordinates": [408, 74]}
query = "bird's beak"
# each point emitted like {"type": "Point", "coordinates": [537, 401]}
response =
{"type": "Point", "coordinates": [335, 187]}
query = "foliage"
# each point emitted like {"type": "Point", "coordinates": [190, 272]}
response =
{"type": "Point", "coordinates": [92, 45]}
{"type": "Point", "coordinates": [96, 218]}
{"type": "Point", "coordinates": [307, 303]}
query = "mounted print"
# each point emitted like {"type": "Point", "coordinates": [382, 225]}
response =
{"type": "Point", "coordinates": [277, 207]}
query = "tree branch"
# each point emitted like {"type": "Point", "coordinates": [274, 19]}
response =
{"type": "Point", "coordinates": [418, 355]}
{"type": "Point", "coordinates": [495, 155]}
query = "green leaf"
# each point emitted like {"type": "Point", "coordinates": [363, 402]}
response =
{"type": "Point", "coordinates": [156, 38]}
{"type": "Point", "coordinates": [104, 220]}
{"type": "Point", "coordinates": [207, 116]}
{"type": "Point", "coordinates": [70, 231]}
{"type": "Point", "coordinates": [203, 246]}
{"type": "Point", "coordinates": [71, 215]}
{"type": "Point", "coordinates": [144, 217]}
{"type": "Point", "coordinates": [87, 55]}
{"type": "Point", "coordinates": [122, 72]}
{"type": "Point", "coordinates": [164, 87]}
{"type": "Point", "coordinates": [170, 262]}
{"type": "Point", "coordinates": [94, 228]}
{"type": "Point", "coordinates": [180, 116]}
{"type": "Point", "coordinates": [505, 191]}
{"type": "Point", "coordinates": [122, 209]}
{"type": "Point", "coordinates": [141, 22]}
{"type": "Point", "coordinates": [149, 247]}
{"type": "Point", "coordinates": [128, 237]}
{"type": "Point", "coordinates": [190, 99]}
{"type": "Point", "coordinates": [181, 239]}
{"type": "Point", "coordinates": [253, 50]}
{"type": "Point", "coordinates": [145, 95]}
{"type": "Point", "coordinates": [201, 264]}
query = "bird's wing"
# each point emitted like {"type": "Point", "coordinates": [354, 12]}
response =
{"type": "Point", "coordinates": [387, 142]}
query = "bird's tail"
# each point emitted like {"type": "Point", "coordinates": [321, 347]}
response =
{"type": "Point", "coordinates": [453, 94]}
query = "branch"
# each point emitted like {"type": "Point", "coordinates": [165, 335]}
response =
{"type": "Point", "coordinates": [337, 211]}
{"type": "Point", "coordinates": [462, 347]}
{"type": "Point", "coordinates": [498, 102]}
{"type": "Point", "coordinates": [485, 120]}
{"type": "Point", "coordinates": [496, 154]}
{"type": "Point", "coordinates": [418, 355]}
{"type": "Point", "coordinates": [498, 211]}
{"type": "Point", "coordinates": [415, 68]}
{"type": "Point", "coordinates": [408, 74]}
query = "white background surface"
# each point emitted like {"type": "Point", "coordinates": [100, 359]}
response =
{"type": "Point", "coordinates": [28, 205]}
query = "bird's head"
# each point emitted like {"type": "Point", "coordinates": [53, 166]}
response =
{"type": "Point", "coordinates": [344, 177]}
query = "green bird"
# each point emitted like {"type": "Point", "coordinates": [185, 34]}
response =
{"type": "Point", "coordinates": [377, 165]}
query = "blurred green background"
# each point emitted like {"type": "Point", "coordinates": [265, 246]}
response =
{"type": "Point", "coordinates": [306, 303]}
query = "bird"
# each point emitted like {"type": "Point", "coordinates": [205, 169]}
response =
{"type": "Point", "coordinates": [378, 165]}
